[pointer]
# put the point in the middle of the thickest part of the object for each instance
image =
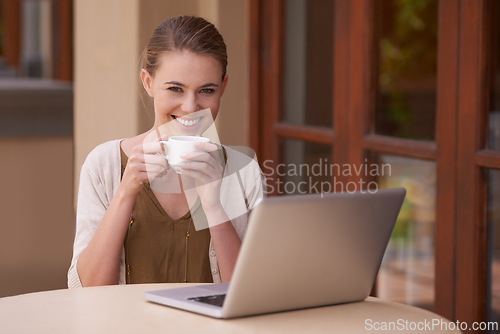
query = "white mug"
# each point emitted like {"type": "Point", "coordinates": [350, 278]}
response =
{"type": "Point", "coordinates": [178, 145]}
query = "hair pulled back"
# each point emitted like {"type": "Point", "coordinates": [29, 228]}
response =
{"type": "Point", "coordinates": [189, 33]}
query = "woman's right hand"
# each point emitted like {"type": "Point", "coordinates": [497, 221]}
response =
{"type": "Point", "coordinates": [99, 262]}
{"type": "Point", "coordinates": [145, 162]}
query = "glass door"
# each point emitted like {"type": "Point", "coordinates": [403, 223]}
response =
{"type": "Point", "coordinates": [408, 82]}
{"type": "Point", "coordinates": [405, 84]}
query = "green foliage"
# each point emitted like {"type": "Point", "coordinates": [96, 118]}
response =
{"type": "Point", "coordinates": [410, 49]}
{"type": "Point", "coordinates": [402, 226]}
{"type": "Point", "coordinates": [408, 52]}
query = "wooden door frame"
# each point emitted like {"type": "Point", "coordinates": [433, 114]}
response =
{"type": "Point", "coordinates": [446, 130]}
{"type": "Point", "coordinates": [471, 238]}
{"type": "Point", "coordinates": [266, 52]}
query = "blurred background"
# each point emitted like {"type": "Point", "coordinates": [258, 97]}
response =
{"type": "Point", "coordinates": [410, 83]}
{"type": "Point", "coordinates": [36, 144]}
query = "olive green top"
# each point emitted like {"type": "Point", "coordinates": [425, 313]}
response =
{"type": "Point", "coordinates": [156, 245]}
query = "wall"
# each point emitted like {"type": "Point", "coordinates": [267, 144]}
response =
{"type": "Point", "coordinates": [37, 213]}
{"type": "Point", "coordinates": [106, 56]}
{"type": "Point", "coordinates": [233, 120]}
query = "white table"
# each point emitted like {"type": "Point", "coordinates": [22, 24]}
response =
{"type": "Point", "coordinates": [123, 309]}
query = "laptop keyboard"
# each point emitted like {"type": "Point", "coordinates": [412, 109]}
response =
{"type": "Point", "coordinates": [216, 300]}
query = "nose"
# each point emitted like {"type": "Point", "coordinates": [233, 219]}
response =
{"type": "Point", "coordinates": [189, 104]}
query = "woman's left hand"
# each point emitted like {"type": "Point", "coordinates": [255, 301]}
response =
{"type": "Point", "coordinates": [205, 168]}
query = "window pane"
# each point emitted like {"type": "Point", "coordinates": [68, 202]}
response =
{"type": "Point", "coordinates": [36, 40]}
{"type": "Point", "coordinates": [407, 271]}
{"type": "Point", "coordinates": [303, 169]}
{"type": "Point", "coordinates": [407, 48]}
{"type": "Point", "coordinates": [494, 246]}
{"type": "Point", "coordinates": [308, 72]}
{"type": "Point", "coordinates": [493, 140]}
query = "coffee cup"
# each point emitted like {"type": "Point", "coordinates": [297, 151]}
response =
{"type": "Point", "coordinates": [177, 145]}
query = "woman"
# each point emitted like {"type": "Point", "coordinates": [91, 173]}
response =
{"type": "Point", "coordinates": [129, 231]}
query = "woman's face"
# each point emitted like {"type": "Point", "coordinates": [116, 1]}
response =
{"type": "Point", "coordinates": [186, 90]}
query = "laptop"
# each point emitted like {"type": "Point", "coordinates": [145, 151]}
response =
{"type": "Point", "coordinates": [300, 251]}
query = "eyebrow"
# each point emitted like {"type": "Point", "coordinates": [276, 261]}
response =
{"type": "Point", "coordinates": [210, 84]}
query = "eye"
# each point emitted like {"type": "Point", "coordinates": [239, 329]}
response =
{"type": "Point", "coordinates": [207, 90]}
{"type": "Point", "coordinates": [175, 89]}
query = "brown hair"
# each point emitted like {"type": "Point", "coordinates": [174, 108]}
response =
{"type": "Point", "coordinates": [180, 33]}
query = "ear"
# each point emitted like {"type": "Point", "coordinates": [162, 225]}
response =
{"type": "Point", "coordinates": [147, 82]}
{"type": "Point", "coordinates": [224, 84]}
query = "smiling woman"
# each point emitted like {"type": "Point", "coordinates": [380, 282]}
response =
{"type": "Point", "coordinates": [182, 84]}
{"type": "Point", "coordinates": [138, 220]}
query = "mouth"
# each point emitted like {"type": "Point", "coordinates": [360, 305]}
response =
{"type": "Point", "coordinates": [187, 121]}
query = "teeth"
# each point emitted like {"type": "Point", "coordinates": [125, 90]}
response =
{"type": "Point", "coordinates": [187, 122]}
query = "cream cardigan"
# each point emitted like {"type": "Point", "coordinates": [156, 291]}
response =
{"type": "Point", "coordinates": [241, 190]}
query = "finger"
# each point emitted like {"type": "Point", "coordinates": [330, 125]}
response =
{"type": "Point", "coordinates": [206, 146]}
{"type": "Point", "coordinates": [151, 177]}
{"type": "Point", "coordinates": [215, 150]}
{"type": "Point", "coordinates": [154, 168]}
{"type": "Point", "coordinates": [209, 170]}
{"type": "Point", "coordinates": [155, 159]}
{"type": "Point", "coordinates": [139, 161]}
{"type": "Point", "coordinates": [196, 174]}
{"type": "Point", "coordinates": [162, 137]}
{"type": "Point", "coordinates": [153, 172]}
{"type": "Point", "coordinates": [196, 156]}
{"type": "Point", "coordinates": [135, 158]}
{"type": "Point", "coordinates": [200, 161]}
{"type": "Point", "coordinates": [209, 157]}
{"type": "Point", "coordinates": [138, 165]}
{"type": "Point", "coordinates": [154, 147]}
